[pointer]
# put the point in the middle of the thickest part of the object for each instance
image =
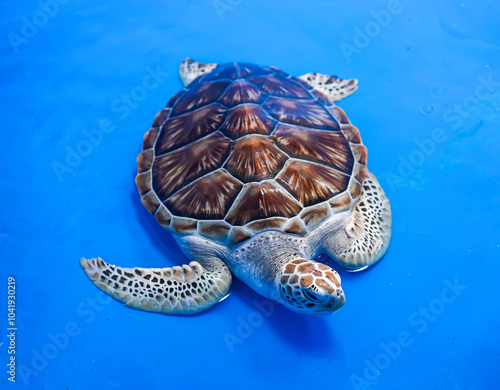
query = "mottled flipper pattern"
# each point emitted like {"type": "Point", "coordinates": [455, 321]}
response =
{"type": "Point", "coordinates": [366, 238]}
{"type": "Point", "coordinates": [334, 88]}
{"type": "Point", "coordinates": [189, 70]}
{"type": "Point", "coordinates": [178, 290]}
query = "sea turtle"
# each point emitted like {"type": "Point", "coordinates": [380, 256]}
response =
{"type": "Point", "coordinates": [256, 172]}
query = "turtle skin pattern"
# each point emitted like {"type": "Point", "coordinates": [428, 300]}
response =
{"type": "Point", "coordinates": [246, 148]}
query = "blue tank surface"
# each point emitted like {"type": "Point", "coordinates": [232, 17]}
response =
{"type": "Point", "coordinates": [81, 83]}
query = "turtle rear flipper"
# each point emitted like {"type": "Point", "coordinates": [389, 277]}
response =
{"type": "Point", "coordinates": [366, 237]}
{"type": "Point", "coordinates": [332, 87]}
{"type": "Point", "coordinates": [178, 290]}
{"type": "Point", "coordinates": [189, 70]}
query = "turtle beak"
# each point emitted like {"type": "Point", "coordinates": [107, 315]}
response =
{"type": "Point", "coordinates": [331, 306]}
{"type": "Point", "coordinates": [339, 301]}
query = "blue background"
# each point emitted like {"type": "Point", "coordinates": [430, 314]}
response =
{"type": "Point", "coordinates": [418, 72]}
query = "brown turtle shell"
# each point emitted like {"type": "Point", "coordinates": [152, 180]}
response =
{"type": "Point", "coordinates": [246, 148]}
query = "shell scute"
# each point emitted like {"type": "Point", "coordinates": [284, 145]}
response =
{"type": "Point", "coordinates": [351, 133]}
{"type": "Point", "coordinates": [143, 182]}
{"type": "Point", "coordinates": [320, 97]}
{"type": "Point", "coordinates": [161, 117]}
{"type": "Point", "coordinates": [151, 202]}
{"type": "Point", "coordinates": [238, 235]}
{"type": "Point", "coordinates": [296, 226]}
{"type": "Point", "coordinates": [224, 72]}
{"type": "Point", "coordinates": [241, 91]}
{"type": "Point", "coordinates": [307, 113]}
{"type": "Point", "coordinates": [341, 202]}
{"type": "Point", "coordinates": [313, 216]}
{"type": "Point", "coordinates": [208, 197]}
{"type": "Point", "coordinates": [311, 183]}
{"type": "Point", "coordinates": [360, 153]}
{"type": "Point", "coordinates": [326, 147]}
{"type": "Point", "coordinates": [215, 230]}
{"type": "Point", "coordinates": [355, 188]}
{"type": "Point", "coordinates": [269, 223]}
{"type": "Point", "coordinates": [195, 98]}
{"type": "Point", "coordinates": [174, 98]}
{"type": "Point", "coordinates": [262, 200]}
{"type": "Point", "coordinates": [145, 160]}
{"type": "Point", "coordinates": [247, 119]}
{"type": "Point", "coordinates": [188, 163]}
{"type": "Point", "coordinates": [184, 225]}
{"type": "Point", "coordinates": [360, 172]}
{"type": "Point", "coordinates": [249, 70]}
{"type": "Point", "coordinates": [150, 138]}
{"type": "Point", "coordinates": [255, 158]}
{"type": "Point", "coordinates": [183, 129]}
{"type": "Point", "coordinates": [163, 216]}
{"type": "Point", "coordinates": [277, 84]}
{"type": "Point", "coordinates": [338, 114]}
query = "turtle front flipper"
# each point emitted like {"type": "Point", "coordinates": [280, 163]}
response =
{"type": "Point", "coordinates": [365, 238]}
{"type": "Point", "coordinates": [178, 290]}
{"type": "Point", "coordinates": [332, 87]}
{"type": "Point", "coordinates": [189, 69]}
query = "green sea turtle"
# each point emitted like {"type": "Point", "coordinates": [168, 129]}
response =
{"type": "Point", "coordinates": [256, 172]}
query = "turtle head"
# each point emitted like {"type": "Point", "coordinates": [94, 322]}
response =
{"type": "Point", "coordinates": [309, 287]}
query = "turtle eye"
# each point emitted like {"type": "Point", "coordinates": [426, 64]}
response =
{"type": "Point", "coordinates": [312, 296]}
